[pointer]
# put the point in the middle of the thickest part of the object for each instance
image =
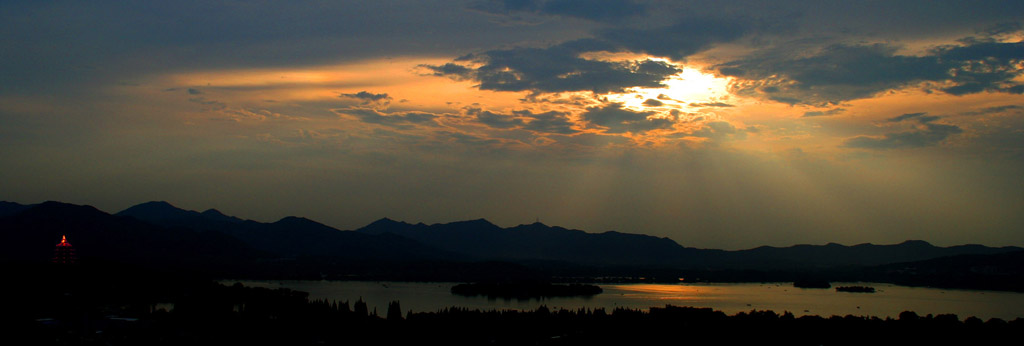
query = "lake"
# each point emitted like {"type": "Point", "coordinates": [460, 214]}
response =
{"type": "Point", "coordinates": [888, 301]}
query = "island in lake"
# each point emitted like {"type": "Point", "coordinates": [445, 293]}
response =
{"type": "Point", "coordinates": [812, 284]}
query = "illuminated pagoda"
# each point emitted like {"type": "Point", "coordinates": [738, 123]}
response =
{"type": "Point", "coordinates": [64, 253]}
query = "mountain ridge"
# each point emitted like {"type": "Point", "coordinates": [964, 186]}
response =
{"type": "Point", "coordinates": [481, 240]}
{"type": "Point", "coordinates": [289, 236]}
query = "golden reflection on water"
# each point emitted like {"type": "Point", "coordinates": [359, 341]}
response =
{"type": "Point", "coordinates": [663, 292]}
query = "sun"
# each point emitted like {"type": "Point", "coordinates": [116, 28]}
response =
{"type": "Point", "coordinates": [688, 89]}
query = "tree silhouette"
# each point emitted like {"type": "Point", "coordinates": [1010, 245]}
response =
{"type": "Point", "coordinates": [394, 311]}
{"type": "Point", "coordinates": [360, 308]}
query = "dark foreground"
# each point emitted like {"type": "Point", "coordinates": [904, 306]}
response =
{"type": "Point", "coordinates": [90, 308]}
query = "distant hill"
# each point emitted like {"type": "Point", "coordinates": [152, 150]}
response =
{"type": "Point", "coordinates": [11, 208]}
{"type": "Point", "coordinates": [160, 212]}
{"type": "Point", "coordinates": [1001, 271]}
{"type": "Point", "coordinates": [484, 240]}
{"type": "Point", "coordinates": [801, 257]}
{"type": "Point", "coordinates": [289, 237]}
{"type": "Point", "coordinates": [481, 239]}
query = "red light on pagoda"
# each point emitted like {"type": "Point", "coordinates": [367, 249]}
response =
{"type": "Point", "coordinates": [64, 253]}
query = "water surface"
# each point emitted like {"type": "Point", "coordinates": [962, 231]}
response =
{"type": "Point", "coordinates": [888, 301]}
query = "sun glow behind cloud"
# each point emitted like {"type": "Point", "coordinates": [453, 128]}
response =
{"type": "Point", "coordinates": [693, 87]}
{"type": "Point", "coordinates": [677, 110]}
{"type": "Point", "coordinates": [690, 89]}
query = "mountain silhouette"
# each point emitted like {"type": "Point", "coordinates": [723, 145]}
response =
{"type": "Point", "coordinates": [216, 215]}
{"type": "Point", "coordinates": [481, 239]}
{"type": "Point", "coordinates": [161, 232]}
{"type": "Point", "coordinates": [803, 257]}
{"type": "Point", "coordinates": [30, 235]}
{"type": "Point", "coordinates": [289, 237]}
{"type": "Point", "coordinates": [11, 208]}
{"type": "Point", "coordinates": [165, 214]}
{"type": "Point", "coordinates": [999, 271]}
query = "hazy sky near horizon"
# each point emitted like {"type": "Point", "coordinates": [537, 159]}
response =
{"type": "Point", "coordinates": [726, 124]}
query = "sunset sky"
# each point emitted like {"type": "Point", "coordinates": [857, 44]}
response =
{"type": "Point", "coordinates": [716, 124]}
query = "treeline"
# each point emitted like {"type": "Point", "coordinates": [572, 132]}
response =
{"type": "Point", "coordinates": [683, 325]}
{"type": "Point", "coordinates": [212, 313]}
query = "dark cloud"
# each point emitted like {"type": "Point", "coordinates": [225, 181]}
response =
{"type": "Point", "coordinates": [984, 66]}
{"type": "Point", "coordinates": [845, 72]}
{"type": "Point", "coordinates": [396, 119]}
{"type": "Point", "coordinates": [193, 91]}
{"type": "Point", "coordinates": [906, 116]}
{"type": "Point", "coordinates": [995, 109]}
{"type": "Point", "coordinates": [468, 139]}
{"type": "Point", "coordinates": [927, 134]}
{"type": "Point", "coordinates": [366, 97]}
{"type": "Point", "coordinates": [521, 5]}
{"type": "Point", "coordinates": [213, 104]}
{"type": "Point", "coordinates": [653, 103]}
{"type": "Point", "coordinates": [619, 120]}
{"type": "Point", "coordinates": [835, 74]}
{"type": "Point", "coordinates": [829, 112]}
{"type": "Point", "coordinates": [561, 68]}
{"type": "Point", "coordinates": [547, 122]}
{"type": "Point", "coordinates": [496, 120]}
{"type": "Point", "coordinates": [710, 104]}
{"type": "Point", "coordinates": [556, 69]}
{"type": "Point", "coordinates": [722, 127]}
{"type": "Point", "coordinates": [719, 130]}
{"type": "Point", "coordinates": [689, 36]}
{"type": "Point", "coordinates": [451, 70]}
{"type": "Point", "coordinates": [597, 10]}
